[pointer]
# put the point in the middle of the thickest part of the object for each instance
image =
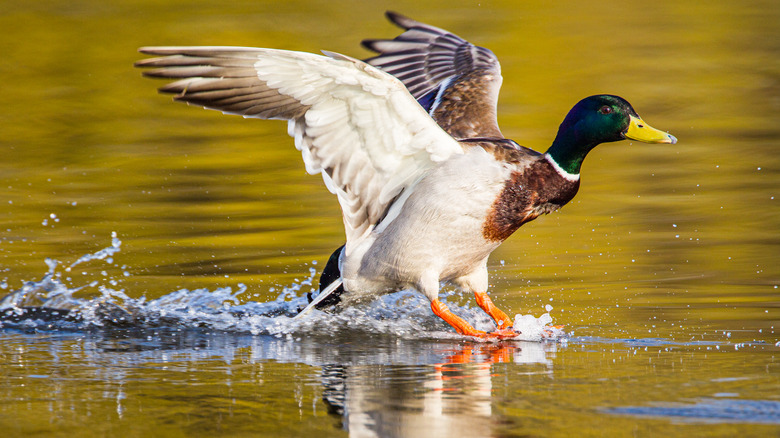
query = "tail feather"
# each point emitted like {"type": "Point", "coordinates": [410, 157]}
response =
{"type": "Point", "coordinates": [331, 286]}
{"type": "Point", "coordinates": [321, 297]}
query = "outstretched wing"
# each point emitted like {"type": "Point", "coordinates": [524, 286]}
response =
{"type": "Point", "coordinates": [454, 80]}
{"type": "Point", "coordinates": [356, 125]}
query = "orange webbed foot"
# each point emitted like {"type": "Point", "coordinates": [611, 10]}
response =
{"type": "Point", "coordinates": [498, 335]}
{"type": "Point", "coordinates": [551, 332]}
{"type": "Point", "coordinates": [442, 311]}
{"type": "Point", "coordinates": [504, 333]}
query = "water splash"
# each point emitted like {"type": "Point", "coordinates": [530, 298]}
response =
{"type": "Point", "coordinates": [103, 254]}
{"type": "Point", "coordinates": [538, 329]}
{"type": "Point", "coordinates": [50, 304]}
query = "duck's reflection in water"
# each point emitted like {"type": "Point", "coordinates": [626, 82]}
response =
{"type": "Point", "coordinates": [377, 385]}
{"type": "Point", "coordinates": [452, 398]}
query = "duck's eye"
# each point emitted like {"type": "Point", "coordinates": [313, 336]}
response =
{"type": "Point", "coordinates": [606, 109]}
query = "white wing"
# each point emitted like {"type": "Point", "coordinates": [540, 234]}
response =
{"type": "Point", "coordinates": [353, 123]}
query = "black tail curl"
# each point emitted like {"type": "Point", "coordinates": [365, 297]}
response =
{"type": "Point", "coordinates": [330, 274]}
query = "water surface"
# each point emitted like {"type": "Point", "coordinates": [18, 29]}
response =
{"type": "Point", "coordinates": [664, 269]}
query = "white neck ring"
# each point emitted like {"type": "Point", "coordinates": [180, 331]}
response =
{"type": "Point", "coordinates": [566, 175]}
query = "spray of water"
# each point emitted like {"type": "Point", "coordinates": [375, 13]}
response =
{"type": "Point", "coordinates": [49, 303]}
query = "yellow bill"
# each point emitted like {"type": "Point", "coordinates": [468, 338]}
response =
{"type": "Point", "coordinates": [641, 131]}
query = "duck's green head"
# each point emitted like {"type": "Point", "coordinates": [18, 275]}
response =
{"type": "Point", "coordinates": [595, 120]}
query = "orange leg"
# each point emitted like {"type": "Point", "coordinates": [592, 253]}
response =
{"type": "Point", "coordinates": [498, 315]}
{"type": "Point", "coordinates": [442, 311]}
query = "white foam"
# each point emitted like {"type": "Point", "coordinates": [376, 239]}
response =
{"type": "Point", "coordinates": [538, 329]}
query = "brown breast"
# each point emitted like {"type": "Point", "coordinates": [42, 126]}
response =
{"type": "Point", "coordinates": [530, 191]}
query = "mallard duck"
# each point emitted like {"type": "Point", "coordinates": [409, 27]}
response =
{"type": "Point", "coordinates": [409, 143]}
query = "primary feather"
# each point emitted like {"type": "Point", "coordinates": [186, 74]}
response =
{"type": "Point", "coordinates": [353, 123]}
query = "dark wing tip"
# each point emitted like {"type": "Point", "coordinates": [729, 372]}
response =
{"type": "Point", "coordinates": [403, 21]}
{"type": "Point", "coordinates": [399, 20]}
{"type": "Point", "coordinates": [370, 44]}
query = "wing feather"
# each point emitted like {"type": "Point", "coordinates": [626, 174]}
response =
{"type": "Point", "coordinates": [356, 125]}
{"type": "Point", "coordinates": [456, 81]}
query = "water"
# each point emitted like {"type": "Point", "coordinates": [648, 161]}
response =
{"type": "Point", "coordinates": [663, 270]}
{"type": "Point", "coordinates": [50, 304]}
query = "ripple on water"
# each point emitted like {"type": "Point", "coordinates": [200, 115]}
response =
{"type": "Point", "coordinates": [709, 411]}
